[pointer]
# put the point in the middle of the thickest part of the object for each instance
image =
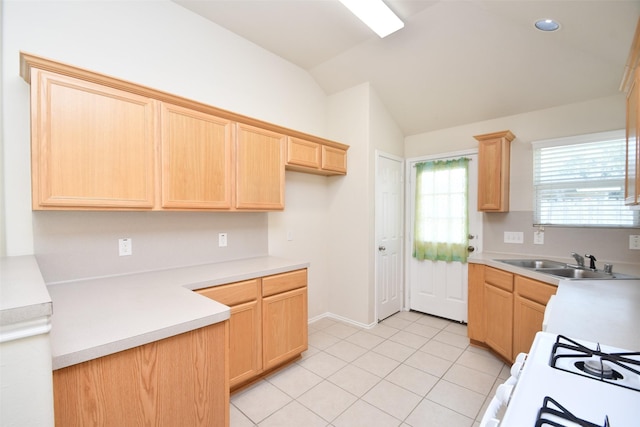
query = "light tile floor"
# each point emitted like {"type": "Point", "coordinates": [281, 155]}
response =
{"type": "Point", "coordinates": [410, 370]}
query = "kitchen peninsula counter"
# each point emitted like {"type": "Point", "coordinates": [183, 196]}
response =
{"type": "Point", "coordinates": [96, 317]}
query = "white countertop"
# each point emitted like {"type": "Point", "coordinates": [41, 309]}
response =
{"type": "Point", "coordinates": [605, 311]}
{"type": "Point", "coordinates": [23, 294]}
{"type": "Point", "coordinates": [96, 317]}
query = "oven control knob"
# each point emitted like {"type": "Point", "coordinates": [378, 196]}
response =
{"type": "Point", "coordinates": [503, 393]}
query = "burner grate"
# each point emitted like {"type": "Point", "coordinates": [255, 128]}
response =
{"type": "Point", "coordinates": [552, 414]}
{"type": "Point", "coordinates": [626, 362]}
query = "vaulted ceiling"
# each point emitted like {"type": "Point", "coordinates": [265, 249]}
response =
{"type": "Point", "coordinates": [455, 61]}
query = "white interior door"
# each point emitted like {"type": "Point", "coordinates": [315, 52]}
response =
{"type": "Point", "coordinates": [439, 287]}
{"type": "Point", "coordinates": [389, 234]}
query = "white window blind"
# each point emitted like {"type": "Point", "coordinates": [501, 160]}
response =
{"type": "Point", "coordinates": [579, 181]}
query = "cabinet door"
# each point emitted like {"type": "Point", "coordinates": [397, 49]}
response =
{"type": "Point", "coordinates": [245, 327]}
{"type": "Point", "coordinates": [196, 159]}
{"type": "Point", "coordinates": [303, 153]}
{"type": "Point", "coordinates": [475, 327]}
{"type": "Point", "coordinates": [530, 300]}
{"type": "Point", "coordinates": [632, 178]}
{"type": "Point", "coordinates": [334, 159]}
{"type": "Point", "coordinates": [259, 169]}
{"type": "Point", "coordinates": [498, 305]}
{"type": "Point", "coordinates": [284, 322]}
{"type": "Point", "coordinates": [494, 155]}
{"type": "Point", "coordinates": [92, 146]}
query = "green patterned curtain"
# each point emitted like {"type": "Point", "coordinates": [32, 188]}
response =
{"type": "Point", "coordinates": [441, 226]}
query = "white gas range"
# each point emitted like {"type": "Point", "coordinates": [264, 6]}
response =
{"type": "Point", "coordinates": [567, 382]}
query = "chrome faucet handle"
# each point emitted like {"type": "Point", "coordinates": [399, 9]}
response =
{"type": "Point", "coordinates": [592, 263]}
{"type": "Point", "coordinates": [579, 259]}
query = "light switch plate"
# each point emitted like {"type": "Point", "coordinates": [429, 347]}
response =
{"type": "Point", "coordinates": [513, 237]}
{"type": "Point", "coordinates": [634, 241]}
{"type": "Point", "coordinates": [222, 240]}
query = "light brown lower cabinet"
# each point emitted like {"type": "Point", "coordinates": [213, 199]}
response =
{"type": "Point", "coordinates": [498, 304]}
{"type": "Point", "coordinates": [178, 381]}
{"type": "Point", "coordinates": [245, 327]}
{"type": "Point", "coordinates": [268, 324]}
{"type": "Point", "coordinates": [530, 300]}
{"type": "Point", "coordinates": [505, 309]}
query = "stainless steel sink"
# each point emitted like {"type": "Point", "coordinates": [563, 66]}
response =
{"type": "Point", "coordinates": [533, 263]}
{"type": "Point", "coordinates": [559, 269]}
{"type": "Point", "coordinates": [576, 273]}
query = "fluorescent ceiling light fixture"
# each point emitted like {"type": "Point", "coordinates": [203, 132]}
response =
{"type": "Point", "coordinates": [376, 15]}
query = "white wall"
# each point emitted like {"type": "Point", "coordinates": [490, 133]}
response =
{"type": "Point", "coordinates": [598, 115]}
{"type": "Point", "coordinates": [155, 43]}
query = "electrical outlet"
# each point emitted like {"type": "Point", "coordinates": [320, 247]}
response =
{"type": "Point", "coordinates": [125, 246]}
{"type": "Point", "coordinates": [289, 235]}
{"type": "Point", "coordinates": [222, 240]}
{"type": "Point", "coordinates": [634, 241]}
{"type": "Point", "coordinates": [513, 237]}
{"type": "Point", "coordinates": [538, 237]}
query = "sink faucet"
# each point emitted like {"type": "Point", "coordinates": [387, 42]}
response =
{"type": "Point", "coordinates": [579, 259]}
{"type": "Point", "coordinates": [592, 264]}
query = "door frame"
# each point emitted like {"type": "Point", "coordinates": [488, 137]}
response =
{"type": "Point", "coordinates": [408, 232]}
{"type": "Point", "coordinates": [401, 216]}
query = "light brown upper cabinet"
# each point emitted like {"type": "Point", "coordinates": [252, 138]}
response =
{"type": "Point", "coordinates": [494, 154]}
{"type": "Point", "coordinates": [92, 145]}
{"type": "Point", "coordinates": [196, 159]}
{"type": "Point", "coordinates": [316, 157]}
{"type": "Point", "coordinates": [630, 85]}
{"type": "Point", "coordinates": [259, 168]}
{"type": "Point", "coordinates": [103, 143]}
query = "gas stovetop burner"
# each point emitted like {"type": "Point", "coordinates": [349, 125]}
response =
{"type": "Point", "coordinates": [620, 369]}
{"type": "Point", "coordinates": [555, 415]}
{"type": "Point", "coordinates": [599, 369]}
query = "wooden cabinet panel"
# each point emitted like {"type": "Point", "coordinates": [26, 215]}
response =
{"type": "Point", "coordinates": [499, 278]}
{"type": "Point", "coordinates": [245, 327]}
{"type": "Point", "coordinates": [284, 320]}
{"type": "Point", "coordinates": [92, 145]}
{"type": "Point", "coordinates": [303, 153]}
{"type": "Point", "coordinates": [475, 325]}
{"type": "Point", "coordinates": [494, 152]}
{"type": "Point", "coordinates": [259, 169]}
{"type": "Point", "coordinates": [180, 380]}
{"type": "Point", "coordinates": [233, 293]}
{"type": "Point", "coordinates": [245, 343]}
{"type": "Point", "coordinates": [196, 159]}
{"type": "Point", "coordinates": [316, 158]}
{"type": "Point", "coordinates": [530, 300]}
{"type": "Point", "coordinates": [498, 305]}
{"type": "Point", "coordinates": [334, 159]}
{"type": "Point", "coordinates": [284, 282]}
{"type": "Point", "coordinates": [632, 175]}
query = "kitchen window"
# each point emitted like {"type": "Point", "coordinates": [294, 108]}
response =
{"type": "Point", "coordinates": [579, 181]}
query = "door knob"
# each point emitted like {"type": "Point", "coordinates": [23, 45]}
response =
{"type": "Point", "coordinates": [471, 248]}
{"type": "Point", "coordinates": [471, 237]}
{"type": "Point", "coordinates": [382, 248]}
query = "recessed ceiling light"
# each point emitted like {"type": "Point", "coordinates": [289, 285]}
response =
{"type": "Point", "coordinates": [547, 25]}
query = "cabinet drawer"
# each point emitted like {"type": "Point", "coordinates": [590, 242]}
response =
{"type": "Point", "coordinates": [284, 282]}
{"type": "Point", "coordinates": [534, 290]}
{"type": "Point", "coordinates": [499, 278]}
{"type": "Point", "coordinates": [234, 293]}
